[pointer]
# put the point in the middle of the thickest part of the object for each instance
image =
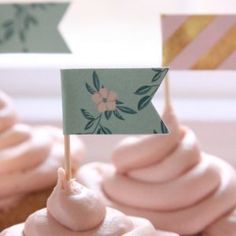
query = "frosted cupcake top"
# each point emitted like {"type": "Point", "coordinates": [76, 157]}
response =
{"type": "Point", "coordinates": [168, 180]}
{"type": "Point", "coordinates": [187, 190]}
{"type": "Point", "coordinates": [75, 210]}
{"type": "Point", "coordinates": [29, 156]}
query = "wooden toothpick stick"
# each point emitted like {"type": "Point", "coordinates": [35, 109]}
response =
{"type": "Point", "coordinates": [168, 103]}
{"type": "Point", "coordinates": [67, 156]}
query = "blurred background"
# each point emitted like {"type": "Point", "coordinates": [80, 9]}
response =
{"type": "Point", "coordinates": [128, 34]}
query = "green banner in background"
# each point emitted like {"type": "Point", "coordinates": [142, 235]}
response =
{"type": "Point", "coordinates": [31, 28]}
{"type": "Point", "coordinates": [111, 101]}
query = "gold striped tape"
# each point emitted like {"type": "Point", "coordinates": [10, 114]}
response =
{"type": "Point", "coordinates": [219, 52]}
{"type": "Point", "coordinates": [184, 36]}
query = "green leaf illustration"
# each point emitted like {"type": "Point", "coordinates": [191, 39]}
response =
{"type": "Point", "coordinates": [119, 102]}
{"type": "Point", "coordinates": [19, 9]}
{"type": "Point", "coordinates": [108, 114]}
{"type": "Point", "coordinates": [99, 131]}
{"type": "Point", "coordinates": [105, 130]}
{"type": "Point", "coordinates": [143, 102]}
{"type": "Point", "coordinates": [87, 115]}
{"type": "Point", "coordinates": [8, 23]}
{"type": "Point", "coordinates": [160, 74]}
{"type": "Point", "coordinates": [143, 90]}
{"type": "Point", "coordinates": [22, 35]}
{"type": "Point", "coordinates": [126, 109]}
{"type": "Point", "coordinates": [30, 20]}
{"type": "Point", "coordinates": [90, 89]}
{"type": "Point", "coordinates": [33, 20]}
{"type": "Point", "coordinates": [163, 128]}
{"type": "Point", "coordinates": [118, 115]}
{"type": "Point", "coordinates": [8, 33]}
{"type": "Point", "coordinates": [96, 81]}
{"type": "Point", "coordinates": [89, 124]}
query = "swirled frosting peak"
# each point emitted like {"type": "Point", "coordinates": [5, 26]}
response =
{"type": "Point", "coordinates": [75, 206]}
{"type": "Point", "coordinates": [74, 210]}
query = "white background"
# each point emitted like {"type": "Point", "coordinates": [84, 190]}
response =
{"type": "Point", "coordinates": [123, 33]}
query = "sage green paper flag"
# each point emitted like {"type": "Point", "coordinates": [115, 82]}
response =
{"type": "Point", "coordinates": [111, 101]}
{"type": "Point", "coordinates": [31, 28]}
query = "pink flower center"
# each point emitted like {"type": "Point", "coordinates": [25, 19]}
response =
{"type": "Point", "coordinates": [105, 100]}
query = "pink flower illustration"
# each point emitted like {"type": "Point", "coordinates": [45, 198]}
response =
{"type": "Point", "coordinates": [105, 100]}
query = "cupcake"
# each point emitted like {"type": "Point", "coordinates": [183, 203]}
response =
{"type": "Point", "coordinates": [170, 181]}
{"type": "Point", "coordinates": [72, 209]}
{"type": "Point", "coordinates": [29, 159]}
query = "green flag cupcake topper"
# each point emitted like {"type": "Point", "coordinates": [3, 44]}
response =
{"type": "Point", "coordinates": [111, 101]}
{"type": "Point", "coordinates": [31, 28]}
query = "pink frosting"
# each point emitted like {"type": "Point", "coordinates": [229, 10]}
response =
{"type": "Point", "coordinates": [74, 206]}
{"type": "Point", "coordinates": [29, 156]}
{"type": "Point", "coordinates": [73, 209]}
{"type": "Point", "coordinates": [167, 179]}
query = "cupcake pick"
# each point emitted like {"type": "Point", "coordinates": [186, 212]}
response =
{"type": "Point", "coordinates": [110, 101]}
{"type": "Point", "coordinates": [67, 156]}
{"type": "Point", "coordinates": [168, 102]}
